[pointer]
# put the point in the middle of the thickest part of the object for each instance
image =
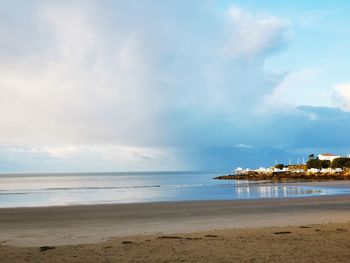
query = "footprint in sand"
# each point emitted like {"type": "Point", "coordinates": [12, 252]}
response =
{"type": "Point", "coordinates": [170, 237]}
{"type": "Point", "coordinates": [341, 230]}
{"type": "Point", "coordinates": [282, 232]}
{"type": "Point", "coordinates": [45, 248]}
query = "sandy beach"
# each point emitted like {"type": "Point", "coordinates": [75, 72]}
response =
{"type": "Point", "coordinates": [305, 243]}
{"type": "Point", "coordinates": [213, 231]}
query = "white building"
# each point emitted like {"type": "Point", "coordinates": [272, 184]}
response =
{"type": "Point", "coordinates": [238, 170]}
{"type": "Point", "coordinates": [328, 156]}
{"type": "Point", "coordinates": [262, 169]}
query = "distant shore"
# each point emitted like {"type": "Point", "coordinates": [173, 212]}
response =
{"type": "Point", "coordinates": [286, 176]}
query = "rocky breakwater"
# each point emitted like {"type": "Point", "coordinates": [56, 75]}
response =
{"type": "Point", "coordinates": [287, 176]}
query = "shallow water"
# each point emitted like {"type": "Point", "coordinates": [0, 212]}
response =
{"type": "Point", "coordinates": [25, 190]}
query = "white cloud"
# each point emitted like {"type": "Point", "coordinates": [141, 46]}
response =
{"type": "Point", "coordinates": [62, 152]}
{"type": "Point", "coordinates": [313, 116]}
{"type": "Point", "coordinates": [243, 145]}
{"type": "Point", "coordinates": [297, 88]}
{"type": "Point", "coordinates": [251, 36]}
{"type": "Point", "coordinates": [341, 96]}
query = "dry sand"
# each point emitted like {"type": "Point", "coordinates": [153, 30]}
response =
{"type": "Point", "coordinates": [315, 243]}
{"type": "Point", "coordinates": [205, 231]}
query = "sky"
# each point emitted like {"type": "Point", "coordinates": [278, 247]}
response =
{"type": "Point", "coordinates": [171, 85]}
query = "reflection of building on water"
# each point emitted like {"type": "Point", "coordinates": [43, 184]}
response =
{"type": "Point", "coordinates": [268, 191]}
{"type": "Point", "coordinates": [243, 191]}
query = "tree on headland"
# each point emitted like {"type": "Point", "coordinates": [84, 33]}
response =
{"type": "Point", "coordinates": [347, 164]}
{"type": "Point", "coordinates": [279, 166]}
{"type": "Point", "coordinates": [340, 162]}
{"type": "Point", "coordinates": [317, 163]}
{"type": "Point", "coordinates": [326, 164]}
{"type": "Point", "coordinates": [312, 163]}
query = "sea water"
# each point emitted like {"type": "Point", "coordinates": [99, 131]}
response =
{"type": "Point", "coordinates": [27, 190]}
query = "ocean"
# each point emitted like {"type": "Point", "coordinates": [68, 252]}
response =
{"type": "Point", "coordinates": [57, 189]}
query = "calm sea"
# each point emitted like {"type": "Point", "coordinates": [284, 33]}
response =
{"type": "Point", "coordinates": [24, 190]}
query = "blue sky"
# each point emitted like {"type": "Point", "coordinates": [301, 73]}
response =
{"type": "Point", "coordinates": [171, 85]}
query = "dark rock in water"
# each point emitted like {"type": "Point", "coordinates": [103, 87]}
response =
{"type": "Point", "coordinates": [227, 177]}
{"type": "Point", "coordinates": [127, 242]}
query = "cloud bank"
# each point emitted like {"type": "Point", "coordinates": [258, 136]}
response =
{"type": "Point", "coordinates": [139, 85]}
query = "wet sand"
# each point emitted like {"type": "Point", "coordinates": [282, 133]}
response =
{"type": "Point", "coordinates": [96, 223]}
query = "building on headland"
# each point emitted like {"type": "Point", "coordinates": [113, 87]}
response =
{"type": "Point", "coordinates": [295, 168]}
{"type": "Point", "coordinates": [238, 170]}
{"type": "Point", "coordinates": [328, 156]}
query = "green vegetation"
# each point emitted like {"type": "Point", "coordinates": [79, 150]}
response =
{"type": "Point", "coordinates": [279, 166]}
{"type": "Point", "coordinates": [347, 164]}
{"type": "Point", "coordinates": [318, 164]}
{"type": "Point", "coordinates": [326, 164]}
{"type": "Point", "coordinates": [341, 162]}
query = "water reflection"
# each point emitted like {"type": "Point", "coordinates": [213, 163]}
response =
{"type": "Point", "coordinates": [268, 191]}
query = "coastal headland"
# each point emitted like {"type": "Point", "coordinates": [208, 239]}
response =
{"type": "Point", "coordinates": [325, 167]}
{"type": "Point", "coordinates": [287, 176]}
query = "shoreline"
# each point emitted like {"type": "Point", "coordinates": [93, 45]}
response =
{"type": "Point", "coordinates": [69, 225]}
{"type": "Point", "coordinates": [333, 184]}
